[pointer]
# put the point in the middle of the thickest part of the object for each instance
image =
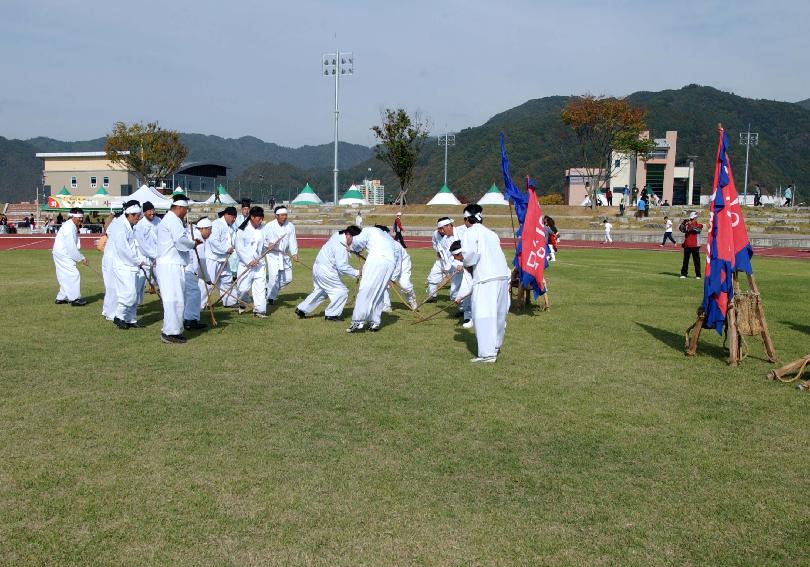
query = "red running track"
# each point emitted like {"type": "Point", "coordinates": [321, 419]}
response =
{"type": "Point", "coordinates": [10, 242]}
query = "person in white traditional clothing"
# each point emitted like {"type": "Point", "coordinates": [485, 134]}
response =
{"type": "Point", "coordinates": [377, 274]}
{"type": "Point", "coordinates": [146, 236]}
{"type": "Point", "coordinates": [197, 278]}
{"type": "Point", "coordinates": [244, 214]}
{"type": "Point", "coordinates": [66, 254]}
{"type": "Point", "coordinates": [463, 292]}
{"type": "Point", "coordinates": [402, 275]}
{"type": "Point", "coordinates": [219, 248]}
{"type": "Point", "coordinates": [110, 305]}
{"type": "Point", "coordinates": [174, 248]}
{"type": "Point", "coordinates": [252, 267]}
{"type": "Point", "coordinates": [331, 262]}
{"type": "Point", "coordinates": [482, 255]}
{"type": "Point", "coordinates": [279, 237]}
{"type": "Point", "coordinates": [444, 266]}
{"type": "Point", "coordinates": [127, 261]}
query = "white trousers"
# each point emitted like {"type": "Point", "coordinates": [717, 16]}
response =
{"type": "Point", "coordinates": [141, 281]}
{"type": "Point", "coordinates": [435, 277]}
{"type": "Point", "coordinates": [172, 281]}
{"type": "Point", "coordinates": [191, 301]}
{"type": "Point", "coordinates": [607, 236]}
{"type": "Point", "coordinates": [326, 283]}
{"type": "Point", "coordinates": [254, 285]}
{"type": "Point", "coordinates": [224, 282]}
{"type": "Point", "coordinates": [67, 274]}
{"type": "Point", "coordinates": [279, 274]}
{"type": "Point", "coordinates": [490, 304]}
{"type": "Point", "coordinates": [126, 294]}
{"type": "Point", "coordinates": [405, 286]}
{"type": "Point", "coordinates": [110, 298]}
{"type": "Point", "coordinates": [368, 306]}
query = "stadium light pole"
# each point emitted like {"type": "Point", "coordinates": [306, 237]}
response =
{"type": "Point", "coordinates": [335, 65]}
{"type": "Point", "coordinates": [446, 140]}
{"type": "Point", "coordinates": [748, 139]}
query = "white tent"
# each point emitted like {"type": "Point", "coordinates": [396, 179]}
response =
{"type": "Point", "coordinates": [224, 197]}
{"type": "Point", "coordinates": [306, 197]}
{"type": "Point", "coordinates": [493, 197]}
{"type": "Point", "coordinates": [143, 195]}
{"type": "Point", "coordinates": [353, 196]}
{"type": "Point", "coordinates": [444, 197]}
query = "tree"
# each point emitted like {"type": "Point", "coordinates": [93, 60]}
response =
{"type": "Point", "coordinates": [601, 126]}
{"type": "Point", "coordinates": [401, 139]}
{"type": "Point", "coordinates": [154, 153]}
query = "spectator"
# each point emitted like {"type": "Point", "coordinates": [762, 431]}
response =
{"type": "Point", "coordinates": [642, 208]}
{"type": "Point", "coordinates": [789, 195]}
{"type": "Point", "coordinates": [358, 220]}
{"type": "Point", "coordinates": [621, 208]}
{"type": "Point", "coordinates": [398, 230]}
{"type": "Point", "coordinates": [667, 232]}
{"type": "Point", "coordinates": [691, 247]}
{"type": "Point", "coordinates": [635, 195]}
{"type": "Point", "coordinates": [665, 203]}
{"type": "Point", "coordinates": [757, 195]}
{"type": "Point", "coordinates": [551, 237]}
{"type": "Point", "coordinates": [60, 219]}
{"type": "Point", "coordinates": [609, 195]}
{"type": "Point", "coordinates": [608, 228]}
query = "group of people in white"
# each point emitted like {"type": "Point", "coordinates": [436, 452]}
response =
{"type": "Point", "coordinates": [243, 262]}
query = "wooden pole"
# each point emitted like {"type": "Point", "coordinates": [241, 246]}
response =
{"type": "Point", "coordinates": [693, 333]}
{"type": "Point", "coordinates": [770, 349]}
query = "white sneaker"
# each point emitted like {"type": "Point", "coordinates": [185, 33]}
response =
{"type": "Point", "coordinates": [698, 277]}
{"type": "Point", "coordinates": [683, 277]}
{"type": "Point", "coordinates": [387, 310]}
{"type": "Point", "coordinates": [468, 324]}
{"type": "Point", "coordinates": [483, 359]}
{"type": "Point", "coordinates": [355, 328]}
{"type": "Point", "coordinates": [374, 327]}
{"type": "Point", "coordinates": [259, 315]}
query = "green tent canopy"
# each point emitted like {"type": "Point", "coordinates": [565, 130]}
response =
{"type": "Point", "coordinates": [102, 191]}
{"type": "Point", "coordinates": [63, 191]}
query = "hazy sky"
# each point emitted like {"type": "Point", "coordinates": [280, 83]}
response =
{"type": "Point", "coordinates": [69, 69]}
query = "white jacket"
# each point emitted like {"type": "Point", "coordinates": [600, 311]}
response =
{"type": "Point", "coordinates": [173, 243]}
{"type": "Point", "coordinates": [481, 249]}
{"type": "Point", "coordinates": [67, 243]}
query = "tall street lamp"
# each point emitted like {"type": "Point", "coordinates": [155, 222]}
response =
{"type": "Point", "coordinates": [446, 140]}
{"type": "Point", "coordinates": [748, 139]}
{"type": "Point", "coordinates": [335, 65]}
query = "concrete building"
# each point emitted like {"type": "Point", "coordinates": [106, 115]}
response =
{"type": "Point", "coordinates": [670, 181]}
{"type": "Point", "coordinates": [373, 191]}
{"type": "Point", "coordinates": [83, 173]}
{"type": "Point", "coordinates": [578, 185]}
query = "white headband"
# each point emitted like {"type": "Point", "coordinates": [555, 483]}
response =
{"type": "Point", "coordinates": [476, 216]}
{"type": "Point", "coordinates": [76, 215]}
{"type": "Point", "coordinates": [133, 210]}
{"type": "Point", "coordinates": [204, 223]}
{"type": "Point", "coordinates": [444, 222]}
{"type": "Point", "coordinates": [281, 211]}
{"type": "Point", "coordinates": [180, 203]}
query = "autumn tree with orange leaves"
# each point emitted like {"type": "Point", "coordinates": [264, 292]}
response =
{"type": "Point", "coordinates": [602, 125]}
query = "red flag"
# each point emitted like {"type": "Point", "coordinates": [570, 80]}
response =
{"type": "Point", "coordinates": [533, 241]}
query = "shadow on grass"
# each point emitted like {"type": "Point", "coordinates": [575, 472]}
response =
{"type": "Point", "coordinates": [467, 336]}
{"type": "Point", "coordinates": [797, 327]}
{"type": "Point", "coordinates": [676, 341]}
{"type": "Point", "coordinates": [286, 300]}
{"type": "Point", "coordinates": [673, 274]}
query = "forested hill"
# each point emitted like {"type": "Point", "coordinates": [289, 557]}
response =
{"type": "Point", "coordinates": [534, 135]}
{"type": "Point", "coordinates": [535, 143]}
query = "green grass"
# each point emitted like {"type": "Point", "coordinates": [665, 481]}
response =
{"type": "Point", "coordinates": [593, 440]}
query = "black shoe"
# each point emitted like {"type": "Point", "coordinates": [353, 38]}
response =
{"type": "Point", "coordinates": [80, 302]}
{"type": "Point", "coordinates": [193, 325]}
{"type": "Point", "coordinates": [374, 327]}
{"type": "Point", "coordinates": [432, 300]}
{"type": "Point", "coordinates": [121, 324]}
{"type": "Point", "coordinates": [332, 318]}
{"type": "Point", "coordinates": [460, 314]}
{"type": "Point", "coordinates": [61, 301]}
{"type": "Point", "coordinates": [271, 301]}
{"type": "Point", "coordinates": [172, 339]}
{"type": "Point", "coordinates": [136, 325]}
{"type": "Point", "coordinates": [300, 313]}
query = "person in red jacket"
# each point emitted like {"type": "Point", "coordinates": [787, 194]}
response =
{"type": "Point", "coordinates": [398, 230]}
{"type": "Point", "coordinates": [691, 229]}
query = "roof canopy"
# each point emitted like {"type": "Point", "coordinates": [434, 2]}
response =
{"type": "Point", "coordinates": [353, 196]}
{"type": "Point", "coordinates": [221, 196]}
{"type": "Point", "coordinates": [143, 195]}
{"type": "Point", "coordinates": [444, 197]}
{"type": "Point", "coordinates": [101, 191]}
{"type": "Point", "coordinates": [493, 197]}
{"type": "Point", "coordinates": [63, 191]}
{"type": "Point", "coordinates": [307, 197]}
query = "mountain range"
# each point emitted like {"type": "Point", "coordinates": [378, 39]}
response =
{"type": "Point", "coordinates": [535, 142]}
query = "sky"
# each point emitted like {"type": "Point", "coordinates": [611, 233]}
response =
{"type": "Point", "coordinates": [69, 70]}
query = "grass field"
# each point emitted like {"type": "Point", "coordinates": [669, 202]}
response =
{"type": "Point", "coordinates": [592, 441]}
